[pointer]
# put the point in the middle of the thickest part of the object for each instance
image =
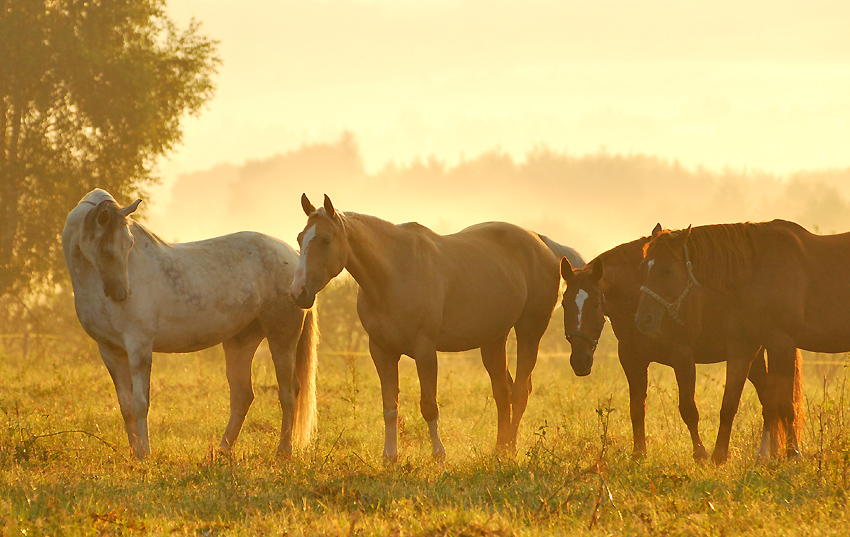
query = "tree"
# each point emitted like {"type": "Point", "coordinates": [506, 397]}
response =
{"type": "Point", "coordinates": [92, 93]}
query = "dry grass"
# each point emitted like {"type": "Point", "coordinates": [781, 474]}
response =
{"type": "Point", "coordinates": [65, 467]}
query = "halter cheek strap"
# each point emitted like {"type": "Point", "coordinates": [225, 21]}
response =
{"type": "Point", "coordinates": [673, 307]}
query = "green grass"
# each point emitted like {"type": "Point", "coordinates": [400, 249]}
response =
{"type": "Point", "coordinates": [57, 481]}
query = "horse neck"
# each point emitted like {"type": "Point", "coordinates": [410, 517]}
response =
{"type": "Point", "coordinates": [371, 244]}
{"type": "Point", "coordinates": [622, 278]}
{"type": "Point", "coordinates": [722, 254]}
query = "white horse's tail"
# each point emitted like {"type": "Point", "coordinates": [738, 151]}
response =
{"type": "Point", "coordinates": [304, 422]}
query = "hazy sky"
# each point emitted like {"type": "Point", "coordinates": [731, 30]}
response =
{"type": "Point", "coordinates": [760, 84]}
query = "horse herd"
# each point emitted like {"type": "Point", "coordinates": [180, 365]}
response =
{"type": "Point", "coordinates": [703, 295]}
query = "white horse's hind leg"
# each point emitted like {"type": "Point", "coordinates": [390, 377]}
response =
{"type": "Point", "coordinates": [239, 355]}
{"type": "Point", "coordinates": [282, 345]}
{"type": "Point", "coordinates": [118, 364]}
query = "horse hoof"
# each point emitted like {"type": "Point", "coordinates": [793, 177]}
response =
{"type": "Point", "coordinates": [718, 458]}
{"type": "Point", "coordinates": [700, 455]}
{"type": "Point", "coordinates": [638, 455]}
{"type": "Point", "coordinates": [793, 455]}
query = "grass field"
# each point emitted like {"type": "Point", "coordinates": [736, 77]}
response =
{"type": "Point", "coordinates": [65, 467]}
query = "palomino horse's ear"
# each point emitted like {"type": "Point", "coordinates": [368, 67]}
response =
{"type": "Point", "coordinates": [329, 207]}
{"type": "Point", "coordinates": [566, 269]}
{"type": "Point", "coordinates": [126, 211]}
{"type": "Point", "coordinates": [597, 270]}
{"type": "Point", "coordinates": [656, 230]}
{"type": "Point", "coordinates": [306, 205]}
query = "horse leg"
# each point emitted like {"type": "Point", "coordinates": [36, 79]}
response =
{"type": "Point", "coordinates": [737, 368]}
{"type": "Point", "coordinates": [386, 363]}
{"type": "Point", "coordinates": [782, 354]}
{"type": "Point", "coordinates": [118, 365]}
{"type": "Point", "coordinates": [140, 358]}
{"type": "Point", "coordinates": [239, 355]}
{"type": "Point", "coordinates": [758, 377]}
{"type": "Point", "coordinates": [527, 345]}
{"type": "Point", "coordinates": [496, 362]}
{"type": "Point", "coordinates": [283, 344]}
{"type": "Point", "coordinates": [636, 375]}
{"type": "Point", "coordinates": [685, 369]}
{"type": "Point", "coordinates": [426, 368]}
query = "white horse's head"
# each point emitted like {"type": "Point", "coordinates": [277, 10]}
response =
{"type": "Point", "coordinates": [106, 242]}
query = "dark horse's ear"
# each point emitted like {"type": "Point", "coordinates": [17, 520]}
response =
{"type": "Point", "coordinates": [329, 207]}
{"type": "Point", "coordinates": [597, 270]}
{"type": "Point", "coordinates": [306, 205]}
{"type": "Point", "coordinates": [656, 230]}
{"type": "Point", "coordinates": [682, 236]}
{"type": "Point", "coordinates": [126, 211]}
{"type": "Point", "coordinates": [566, 269]}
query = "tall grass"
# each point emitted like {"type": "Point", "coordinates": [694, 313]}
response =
{"type": "Point", "coordinates": [66, 469]}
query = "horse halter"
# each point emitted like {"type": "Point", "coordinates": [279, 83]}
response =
{"type": "Point", "coordinates": [582, 335]}
{"type": "Point", "coordinates": [673, 307]}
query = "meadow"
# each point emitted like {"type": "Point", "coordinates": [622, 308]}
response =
{"type": "Point", "coordinates": [66, 469]}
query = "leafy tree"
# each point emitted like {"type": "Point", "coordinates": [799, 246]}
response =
{"type": "Point", "coordinates": [91, 94]}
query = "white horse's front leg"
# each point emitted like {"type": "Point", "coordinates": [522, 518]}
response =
{"type": "Point", "coordinates": [141, 358]}
{"type": "Point", "coordinates": [118, 365]}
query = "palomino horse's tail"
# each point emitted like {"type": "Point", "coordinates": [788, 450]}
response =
{"type": "Point", "coordinates": [778, 432]}
{"type": "Point", "coordinates": [560, 250]}
{"type": "Point", "coordinates": [304, 422]}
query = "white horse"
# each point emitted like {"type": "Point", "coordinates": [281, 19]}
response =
{"type": "Point", "coordinates": [136, 294]}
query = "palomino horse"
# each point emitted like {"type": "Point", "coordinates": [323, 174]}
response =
{"type": "Point", "coordinates": [421, 292]}
{"type": "Point", "coordinates": [610, 286]}
{"type": "Point", "coordinates": [136, 294]}
{"type": "Point", "coordinates": [780, 286]}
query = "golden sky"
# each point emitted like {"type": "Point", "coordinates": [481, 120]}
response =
{"type": "Point", "coordinates": [758, 85]}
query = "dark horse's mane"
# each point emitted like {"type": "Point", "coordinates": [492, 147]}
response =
{"type": "Point", "coordinates": [722, 254]}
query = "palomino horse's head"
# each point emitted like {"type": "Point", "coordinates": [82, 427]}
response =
{"type": "Point", "coordinates": [106, 243]}
{"type": "Point", "coordinates": [584, 317]}
{"type": "Point", "coordinates": [324, 251]}
{"type": "Point", "coordinates": [667, 279]}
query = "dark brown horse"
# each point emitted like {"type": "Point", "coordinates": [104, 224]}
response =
{"type": "Point", "coordinates": [421, 292]}
{"type": "Point", "coordinates": [609, 286]}
{"type": "Point", "coordinates": [780, 286]}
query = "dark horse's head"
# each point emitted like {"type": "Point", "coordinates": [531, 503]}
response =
{"type": "Point", "coordinates": [583, 314]}
{"type": "Point", "coordinates": [324, 251]}
{"type": "Point", "coordinates": [106, 243]}
{"type": "Point", "coordinates": [666, 280]}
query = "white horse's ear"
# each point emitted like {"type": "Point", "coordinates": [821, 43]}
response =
{"type": "Point", "coordinates": [329, 207]}
{"type": "Point", "coordinates": [103, 217]}
{"type": "Point", "coordinates": [126, 211]}
{"type": "Point", "coordinates": [306, 205]}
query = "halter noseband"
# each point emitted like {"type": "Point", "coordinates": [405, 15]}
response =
{"type": "Point", "coordinates": [673, 307]}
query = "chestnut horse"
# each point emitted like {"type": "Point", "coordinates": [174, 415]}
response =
{"type": "Point", "coordinates": [421, 292]}
{"type": "Point", "coordinates": [136, 294]}
{"type": "Point", "coordinates": [781, 287]}
{"type": "Point", "coordinates": [609, 286]}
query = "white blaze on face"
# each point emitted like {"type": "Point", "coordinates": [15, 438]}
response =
{"type": "Point", "coordinates": [649, 265]}
{"type": "Point", "coordinates": [581, 296]}
{"type": "Point", "coordinates": [301, 272]}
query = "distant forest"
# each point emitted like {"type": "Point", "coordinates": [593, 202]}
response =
{"type": "Point", "coordinates": [590, 201]}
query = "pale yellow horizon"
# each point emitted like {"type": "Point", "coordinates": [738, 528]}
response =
{"type": "Point", "coordinates": [759, 85]}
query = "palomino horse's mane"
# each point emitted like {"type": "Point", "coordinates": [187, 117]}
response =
{"type": "Point", "coordinates": [721, 254]}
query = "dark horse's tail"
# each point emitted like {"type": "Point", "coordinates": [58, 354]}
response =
{"type": "Point", "coordinates": [778, 433]}
{"type": "Point", "coordinates": [575, 259]}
